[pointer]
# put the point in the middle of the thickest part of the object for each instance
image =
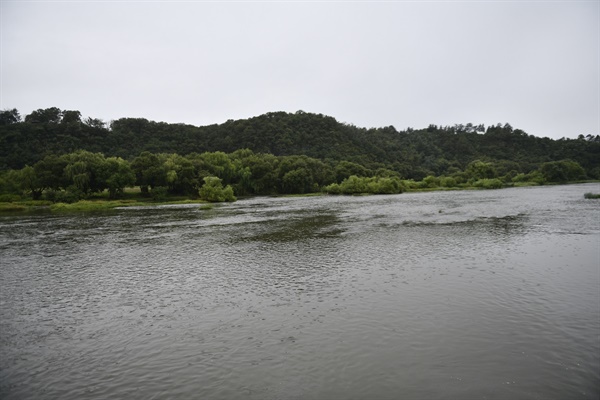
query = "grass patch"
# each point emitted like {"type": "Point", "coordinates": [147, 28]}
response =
{"type": "Point", "coordinates": [12, 207]}
{"type": "Point", "coordinates": [94, 205]}
{"type": "Point", "coordinates": [592, 195]}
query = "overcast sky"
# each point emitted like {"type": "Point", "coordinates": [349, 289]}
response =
{"type": "Point", "coordinates": [533, 64]}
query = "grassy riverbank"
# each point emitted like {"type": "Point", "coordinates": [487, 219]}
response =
{"type": "Point", "coordinates": [99, 202]}
{"type": "Point", "coordinates": [134, 198]}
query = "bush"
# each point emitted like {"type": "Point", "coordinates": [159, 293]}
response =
{"type": "Point", "coordinates": [489, 183]}
{"type": "Point", "coordinates": [448, 182]}
{"type": "Point", "coordinates": [334, 188]}
{"type": "Point", "coordinates": [10, 207]}
{"type": "Point", "coordinates": [213, 190]}
{"type": "Point", "coordinates": [9, 198]}
{"type": "Point", "coordinates": [354, 185]}
{"type": "Point", "coordinates": [71, 195]}
{"type": "Point", "coordinates": [562, 171]}
{"type": "Point", "coordinates": [159, 193]}
{"type": "Point", "coordinates": [411, 184]}
{"type": "Point", "coordinates": [373, 185]}
{"type": "Point", "coordinates": [431, 181]}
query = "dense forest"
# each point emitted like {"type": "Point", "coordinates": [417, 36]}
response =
{"type": "Point", "coordinates": [55, 152]}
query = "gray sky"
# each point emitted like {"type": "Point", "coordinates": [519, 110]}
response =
{"type": "Point", "coordinates": [533, 64]}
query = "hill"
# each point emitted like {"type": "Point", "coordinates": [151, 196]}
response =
{"type": "Point", "coordinates": [414, 154]}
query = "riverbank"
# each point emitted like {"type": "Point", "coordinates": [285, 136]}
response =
{"type": "Point", "coordinates": [88, 205]}
{"type": "Point", "coordinates": [134, 198]}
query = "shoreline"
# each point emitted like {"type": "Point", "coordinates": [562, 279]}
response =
{"type": "Point", "coordinates": [134, 200]}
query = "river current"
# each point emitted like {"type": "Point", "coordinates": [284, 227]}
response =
{"type": "Point", "coordinates": [440, 295]}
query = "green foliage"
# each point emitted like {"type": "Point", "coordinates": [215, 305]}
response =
{"type": "Point", "coordinates": [297, 181]}
{"type": "Point", "coordinates": [213, 190]}
{"type": "Point", "coordinates": [345, 169]}
{"type": "Point", "coordinates": [477, 170]}
{"type": "Point", "coordinates": [431, 181]}
{"type": "Point", "coordinates": [159, 193]}
{"type": "Point", "coordinates": [71, 195]}
{"type": "Point", "coordinates": [84, 171]}
{"type": "Point", "coordinates": [91, 205]}
{"type": "Point", "coordinates": [591, 195]}
{"type": "Point", "coordinates": [149, 171]}
{"type": "Point", "coordinates": [372, 185]}
{"type": "Point", "coordinates": [448, 182]}
{"type": "Point", "coordinates": [483, 153]}
{"type": "Point", "coordinates": [12, 207]}
{"type": "Point", "coordinates": [180, 175]}
{"type": "Point", "coordinates": [44, 116]}
{"type": "Point", "coordinates": [9, 198]}
{"type": "Point", "coordinates": [118, 174]}
{"type": "Point", "coordinates": [51, 172]}
{"type": "Point", "coordinates": [59, 155]}
{"type": "Point", "coordinates": [562, 171]}
{"type": "Point", "coordinates": [489, 184]}
{"type": "Point", "coordinates": [8, 117]}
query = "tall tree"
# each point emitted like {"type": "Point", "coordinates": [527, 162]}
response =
{"type": "Point", "coordinates": [8, 117]}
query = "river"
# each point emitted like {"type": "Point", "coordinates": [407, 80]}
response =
{"type": "Point", "coordinates": [441, 295]}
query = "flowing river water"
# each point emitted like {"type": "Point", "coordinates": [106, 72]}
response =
{"type": "Point", "coordinates": [440, 295]}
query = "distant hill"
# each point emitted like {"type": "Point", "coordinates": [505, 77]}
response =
{"type": "Point", "coordinates": [413, 153]}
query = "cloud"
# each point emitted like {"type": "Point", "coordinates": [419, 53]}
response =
{"type": "Point", "coordinates": [532, 64]}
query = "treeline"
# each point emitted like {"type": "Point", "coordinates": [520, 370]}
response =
{"type": "Point", "coordinates": [411, 154]}
{"type": "Point", "coordinates": [219, 176]}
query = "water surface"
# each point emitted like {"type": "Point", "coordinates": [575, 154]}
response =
{"type": "Point", "coordinates": [444, 295]}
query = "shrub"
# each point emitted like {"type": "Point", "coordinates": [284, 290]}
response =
{"type": "Point", "coordinates": [10, 207]}
{"type": "Point", "coordinates": [489, 183]}
{"type": "Point", "coordinates": [334, 188]}
{"type": "Point", "coordinates": [9, 198]}
{"type": "Point", "coordinates": [213, 190]}
{"type": "Point", "coordinates": [448, 182]}
{"type": "Point", "coordinates": [353, 185]}
{"type": "Point", "coordinates": [159, 193]}
{"type": "Point", "coordinates": [71, 195]}
{"type": "Point", "coordinates": [373, 185]}
{"type": "Point", "coordinates": [430, 181]}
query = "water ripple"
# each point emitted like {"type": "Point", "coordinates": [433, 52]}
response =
{"type": "Point", "coordinates": [488, 294]}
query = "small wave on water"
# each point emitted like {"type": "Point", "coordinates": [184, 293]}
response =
{"type": "Point", "coordinates": [487, 294]}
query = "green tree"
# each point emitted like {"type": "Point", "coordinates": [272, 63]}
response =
{"type": "Point", "coordinates": [70, 117]}
{"type": "Point", "coordinates": [117, 174]}
{"type": "Point", "coordinates": [51, 172]}
{"type": "Point", "coordinates": [30, 183]}
{"type": "Point", "coordinates": [213, 190]}
{"type": "Point", "coordinates": [354, 185]}
{"type": "Point", "coordinates": [44, 116]}
{"type": "Point", "coordinates": [96, 123]}
{"type": "Point", "coordinates": [180, 175]}
{"type": "Point", "coordinates": [562, 171]}
{"type": "Point", "coordinates": [10, 182]}
{"type": "Point", "coordinates": [149, 171]}
{"type": "Point", "coordinates": [344, 169]}
{"type": "Point", "coordinates": [298, 180]}
{"type": "Point", "coordinates": [84, 171]}
{"type": "Point", "coordinates": [480, 170]}
{"type": "Point", "coordinates": [219, 164]}
{"type": "Point", "coordinates": [8, 117]}
{"type": "Point", "coordinates": [263, 172]}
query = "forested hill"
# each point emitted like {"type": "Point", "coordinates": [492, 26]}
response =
{"type": "Point", "coordinates": [414, 153]}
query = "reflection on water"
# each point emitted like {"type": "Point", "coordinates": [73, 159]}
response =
{"type": "Point", "coordinates": [474, 294]}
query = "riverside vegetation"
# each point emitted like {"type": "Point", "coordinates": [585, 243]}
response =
{"type": "Point", "coordinates": [54, 157]}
